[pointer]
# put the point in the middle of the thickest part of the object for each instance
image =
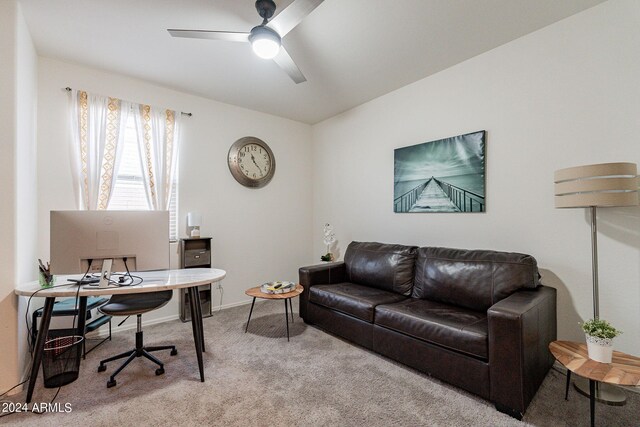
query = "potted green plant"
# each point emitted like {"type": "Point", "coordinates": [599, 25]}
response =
{"type": "Point", "coordinates": [600, 335]}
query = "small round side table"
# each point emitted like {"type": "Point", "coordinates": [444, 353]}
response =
{"type": "Point", "coordinates": [624, 369]}
{"type": "Point", "coordinates": [257, 293]}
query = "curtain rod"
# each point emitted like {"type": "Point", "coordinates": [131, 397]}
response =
{"type": "Point", "coordinates": [68, 89]}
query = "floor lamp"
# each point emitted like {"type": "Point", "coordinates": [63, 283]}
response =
{"type": "Point", "coordinates": [597, 186]}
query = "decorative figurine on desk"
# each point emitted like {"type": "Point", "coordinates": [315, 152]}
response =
{"type": "Point", "coordinates": [328, 239]}
{"type": "Point", "coordinates": [194, 220]}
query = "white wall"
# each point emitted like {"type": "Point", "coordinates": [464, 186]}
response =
{"type": "Point", "coordinates": [258, 234]}
{"type": "Point", "coordinates": [8, 301]}
{"type": "Point", "coordinates": [17, 183]}
{"type": "Point", "coordinates": [26, 172]}
{"type": "Point", "coordinates": [563, 96]}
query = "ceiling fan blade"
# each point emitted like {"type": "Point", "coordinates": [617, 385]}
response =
{"type": "Point", "coordinates": [210, 35]}
{"type": "Point", "coordinates": [284, 61]}
{"type": "Point", "coordinates": [291, 16]}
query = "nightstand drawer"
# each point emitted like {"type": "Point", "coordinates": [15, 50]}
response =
{"type": "Point", "coordinates": [196, 257]}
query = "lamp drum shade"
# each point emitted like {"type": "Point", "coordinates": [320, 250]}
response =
{"type": "Point", "coordinates": [600, 185]}
{"type": "Point", "coordinates": [194, 219]}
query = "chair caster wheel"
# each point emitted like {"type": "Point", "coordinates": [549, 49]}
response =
{"type": "Point", "coordinates": [102, 368]}
{"type": "Point", "coordinates": [159, 371]}
{"type": "Point", "coordinates": [174, 352]}
{"type": "Point", "coordinates": [111, 383]}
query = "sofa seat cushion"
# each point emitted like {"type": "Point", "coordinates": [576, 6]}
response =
{"type": "Point", "coordinates": [456, 328]}
{"type": "Point", "coordinates": [352, 299]}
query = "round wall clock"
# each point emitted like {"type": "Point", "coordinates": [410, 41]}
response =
{"type": "Point", "coordinates": [251, 162]}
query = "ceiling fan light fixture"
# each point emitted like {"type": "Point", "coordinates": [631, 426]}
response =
{"type": "Point", "coordinates": [265, 42]}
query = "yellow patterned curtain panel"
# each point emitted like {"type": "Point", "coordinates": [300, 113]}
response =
{"type": "Point", "coordinates": [98, 127]}
{"type": "Point", "coordinates": [157, 140]}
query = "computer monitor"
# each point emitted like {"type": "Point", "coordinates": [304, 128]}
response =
{"type": "Point", "coordinates": [142, 237]}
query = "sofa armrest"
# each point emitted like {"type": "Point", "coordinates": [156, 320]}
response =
{"type": "Point", "coordinates": [521, 327]}
{"type": "Point", "coordinates": [320, 274]}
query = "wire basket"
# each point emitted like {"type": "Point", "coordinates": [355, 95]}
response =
{"type": "Point", "coordinates": [61, 357]}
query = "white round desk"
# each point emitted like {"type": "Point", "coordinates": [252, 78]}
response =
{"type": "Point", "coordinates": [153, 281]}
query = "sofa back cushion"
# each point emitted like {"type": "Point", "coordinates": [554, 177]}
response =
{"type": "Point", "coordinates": [382, 266]}
{"type": "Point", "coordinates": [475, 279]}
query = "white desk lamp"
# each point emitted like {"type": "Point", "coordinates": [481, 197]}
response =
{"type": "Point", "coordinates": [194, 220]}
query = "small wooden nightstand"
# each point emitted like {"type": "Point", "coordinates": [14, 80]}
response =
{"type": "Point", "coordinates": [196, 253]}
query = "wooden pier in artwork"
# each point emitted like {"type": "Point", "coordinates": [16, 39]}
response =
{"type": "Point", "coordinates": [435, 195]}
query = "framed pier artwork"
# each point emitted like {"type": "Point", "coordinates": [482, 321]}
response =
{"type": "Point", "coordinates": [447, 175]}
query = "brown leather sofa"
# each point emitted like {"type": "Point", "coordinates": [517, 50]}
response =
{"type": "Point", "coordinates": [477, 319]}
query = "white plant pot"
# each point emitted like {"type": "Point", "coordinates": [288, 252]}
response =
{"type": "Point", "coordinates": [600, 349]}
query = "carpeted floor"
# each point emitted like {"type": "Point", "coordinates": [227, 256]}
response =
{"type": "Point", "coordinates": [258, 379]}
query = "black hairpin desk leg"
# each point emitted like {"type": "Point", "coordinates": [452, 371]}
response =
{"type": "Point", "coordinates": [82, 316]}
{"type": "Point", "coordinates": [199, 314]}
{"type": "Point", "coordinates": [196, 325]}
{"type": "Point", "coordinates": [39, 347]}
{"type": "Point", "coordinates": [286, 316]}
{"type": "Point", "coordinates": [592, 401]}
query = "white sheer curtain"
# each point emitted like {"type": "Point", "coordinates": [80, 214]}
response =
{"type": "Point", "coordinates": [158, 131]}
{"type": "Point", "coordinates": [97, 128]}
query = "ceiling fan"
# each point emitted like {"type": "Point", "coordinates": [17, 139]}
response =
{"type": "Point", "coordinates": [266, 38]}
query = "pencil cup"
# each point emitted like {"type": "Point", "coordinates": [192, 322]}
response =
{"type": "Point", "coordinates": [44, 281]}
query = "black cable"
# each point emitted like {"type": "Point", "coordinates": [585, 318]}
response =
{"type": "Point", "coordinates": [26, 314]}
{"type": "Point", "coordinates": [17, 385]}
{"type": "Point", "coordinates": [221, 295]}
{"type": "Point", "coordinates": [132, 280]}
{"type": "Point", "coordinates": [126, 279]}
{"type": "Point", "coordinates": [126, 266]}
{"type": "Point", "coordinates": [138, 278]}
{"type": "Point", "coordinates": [87, 272]}
{"type": "Point", "coordinates": [58, 391]}
{"type": "Point", "coordinates": [130, 275]}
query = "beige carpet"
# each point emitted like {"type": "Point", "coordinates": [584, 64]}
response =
{"type": "Point", "coordinates": [258, 379]}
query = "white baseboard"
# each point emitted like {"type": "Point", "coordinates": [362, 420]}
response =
{"type": "Point", "coordinates": [231, 305]}
{"type": "Point", "coordinates": [104, 332]}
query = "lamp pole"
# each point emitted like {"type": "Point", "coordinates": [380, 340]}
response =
{"type": "Point", "coordinates": [594, 262]}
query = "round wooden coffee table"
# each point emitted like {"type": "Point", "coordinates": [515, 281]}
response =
{"type": "Point", "coordinates": [255, 292]}
{"type": "Point", "coordinates": [624, 369]}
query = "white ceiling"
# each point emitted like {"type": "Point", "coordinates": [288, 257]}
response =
{"type": "Point", "coordinates": [351, 51]}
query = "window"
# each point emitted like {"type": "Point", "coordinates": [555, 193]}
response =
{"type": "Point", "coordinates": [128, 192]}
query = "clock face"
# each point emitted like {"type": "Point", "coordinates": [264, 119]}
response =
{"type": "Point", "coordinates": [254, 161]}
{"type": "Point", "coordinates": [251, 162]}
